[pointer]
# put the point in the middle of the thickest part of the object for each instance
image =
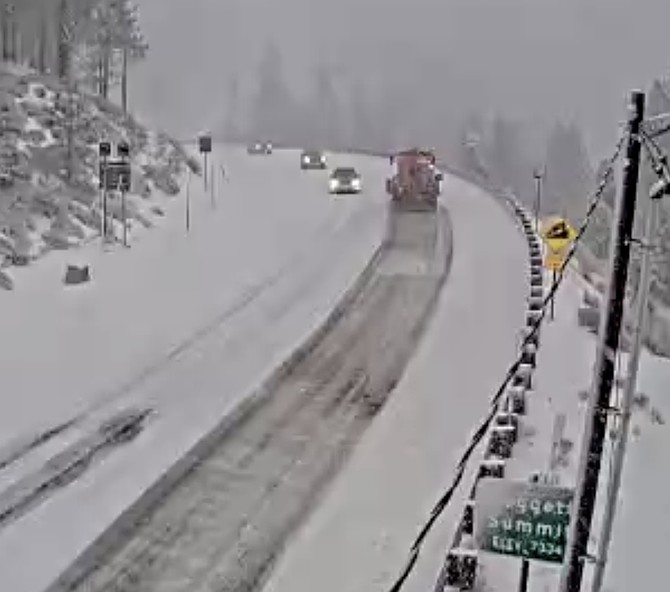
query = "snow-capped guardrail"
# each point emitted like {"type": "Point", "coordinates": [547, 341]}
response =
{"type": "Point", "coordinates": [460, 568]}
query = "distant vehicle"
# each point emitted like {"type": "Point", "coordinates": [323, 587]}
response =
{"type": "Point", "coordinates": [416, 183]}
{"type": "Point", "coordinates": [344, 180]}
{"type": "Point", "coordinates": [260, 148]}
{"type": "Point", "coordinates": [312, 159]}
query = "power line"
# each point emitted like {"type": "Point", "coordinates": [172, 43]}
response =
{"type": "Point", "coordinates": [481, 431]}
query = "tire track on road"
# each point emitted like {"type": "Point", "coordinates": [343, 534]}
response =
{"type": "Point", "coordinates": [218, 522]}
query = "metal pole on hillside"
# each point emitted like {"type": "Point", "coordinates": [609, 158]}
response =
{"type": "Point", "coordinates": [610, 330]}
{"type": "Point", "coordinates": [641, 317]}
{"type": "Point", "coordinates": [205, 167]}
{"type": "Point", "coordinates": [537, 175]}
{"type": "Point", "coordinates": [212, 187]}
{"type": "Point", "coordinates": [188, 201]}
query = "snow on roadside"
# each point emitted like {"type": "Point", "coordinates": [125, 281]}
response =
{"type": "Point", "coordinates": [330, 240]}
{"type": "Point", "coordinates": [641, 541]}
{"type": "Point", "coordinates": [359, 537]}
{"type": "Point", "coordinates": [564, 366]}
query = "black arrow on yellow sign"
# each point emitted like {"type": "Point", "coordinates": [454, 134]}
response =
{"type": "Point", "coordinates": [559, 230]}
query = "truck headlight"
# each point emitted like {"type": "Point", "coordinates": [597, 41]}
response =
{"type": "Point", "coordinates": [356, 183]}
{"type": "Point", "coordinates": [334, 183]}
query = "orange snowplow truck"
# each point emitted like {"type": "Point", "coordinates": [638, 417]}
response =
{"type": "Point", "coordinates": [415, 185]}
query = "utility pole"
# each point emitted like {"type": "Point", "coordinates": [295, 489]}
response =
{"type": "Point", "coordinates": [537, 175]}
{"type": "Point", "coordinates": [104, 151]}
{"type": "Point", "coordinates": [212, 190]}
{"type": "Point", "coordinates": [610, 329]}
{"type": "Point", "coordinates": [124, 81]}
{"type": "Point", "coordinates": [188, 201]}
{"type": "Point", "coordinates": [661, 188]}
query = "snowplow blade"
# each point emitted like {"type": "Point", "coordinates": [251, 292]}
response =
{"type": "Point", "coordinates": [414, 205]}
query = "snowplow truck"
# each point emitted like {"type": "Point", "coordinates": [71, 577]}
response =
{"type": "Point", "coordinates": [415, 185]}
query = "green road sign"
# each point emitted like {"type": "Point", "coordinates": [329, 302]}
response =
{"type": "Point", "coordinates": [528, 520]}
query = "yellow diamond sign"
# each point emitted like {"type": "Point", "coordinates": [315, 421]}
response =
{"type": "Point", "coordinates": [558, 235]}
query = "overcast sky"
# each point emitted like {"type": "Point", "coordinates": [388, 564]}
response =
{"type": "Point", "coordinates": [535, 59]}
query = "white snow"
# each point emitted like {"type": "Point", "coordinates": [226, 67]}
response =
{"type": "Point", "coordinates": [358, 539]}
{"type": "Point", "coordinates": [565, 360]}
{"type": "Point", "coordinates": [254, 276]}
{"type": "Point", "coordinates": [204, 317]}
{"type": "Point", "coordinates": [641, 536]}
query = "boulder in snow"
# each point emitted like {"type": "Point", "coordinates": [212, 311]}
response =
{"type": "Point", "coordinates": [589, 317]}
{"type": "Point", "coordinates": [76, 274]}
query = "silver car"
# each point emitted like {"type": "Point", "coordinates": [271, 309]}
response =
{"type": "Point", "coordinates": [344, 180]}
{"type": "Point", "coordinates": [312, 159]}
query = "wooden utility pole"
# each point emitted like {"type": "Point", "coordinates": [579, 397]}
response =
{"type": "Point", "coordinates": [610, 330]}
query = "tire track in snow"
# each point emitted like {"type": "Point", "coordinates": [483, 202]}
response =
{"type": "Point", "coordinates": [219, 518]}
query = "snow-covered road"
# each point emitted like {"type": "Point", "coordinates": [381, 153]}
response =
{"type": "Point", "coordinates": [63, 349]}
{"type": "Point", "coordinates": [223, 306]}
{"type": "Point", "coordinates": [358, 538]}
{"type": "Point", "coordinates": [299, 251]}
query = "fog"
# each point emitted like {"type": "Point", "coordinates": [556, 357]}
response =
{"type": "Point", "coordinates": [536, 60]}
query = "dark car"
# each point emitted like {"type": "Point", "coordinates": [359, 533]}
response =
{"type": "Point", "coordinates": [344, 180]}
{"type": "Point", "coordinates": [260, 148]}
{"type": "Point", "coordinates": [312, 159]}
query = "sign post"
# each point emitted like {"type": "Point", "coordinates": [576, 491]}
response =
{"type": "Point", "coordinates": [558, 236]}
{"type": "Point", "coordinates": [104, 151]}
{"type": "Point", "coordinates": [188, 201]}
{"type": "Point", "coordinates": [205, 145]}
{"type": "Point", "coordinates": [123, 152]}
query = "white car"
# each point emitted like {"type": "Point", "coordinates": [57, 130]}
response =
{"type": "Point", "coordinates": [345, 180]}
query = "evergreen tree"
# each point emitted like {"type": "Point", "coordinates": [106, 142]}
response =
{"type": "Point", "coordinates": [361, 132]}
{"type": "Point", "coordinates": [598, 235]}
{"type": "Point", "coordinates": [326, 111]}
{"type": "Point", "coordinates": [113, 40]}
{"type": "Point", "coordinates": [273, 113]}
{"type": "Point", "coordinates": [505, 158]}
{"type": "Point", "coordinates": [568, 181]}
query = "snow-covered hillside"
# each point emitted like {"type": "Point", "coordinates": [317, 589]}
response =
{"type": "Point", "coordinates": [40, 209]}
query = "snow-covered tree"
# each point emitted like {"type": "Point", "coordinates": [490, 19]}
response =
{"type": "Point", "coordinates": [658, 102]}
{"type": "Point", "coordinates": [569, 179]}
{"type": "Point", "coordinates": [326, 113]}
{"type": "Point", "coordinates": [90, 41]}
{"type": "Point", "coordinates": [471, 138]}
{"type": "Point", "coordinates": [273, 109]}
{"type": "Point", "coordinates": [598, 233]}
{"type": "Point", "coordinates": [362, 131]}
{"type": "Point", "coordinates": [504, 156]}
{"type": "Point", "coordinates": [113, 40]}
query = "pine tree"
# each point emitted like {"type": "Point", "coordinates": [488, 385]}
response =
{"type": "Point", "coordinates": [362, 132]}
{"type": "Point", "coordinates": [273, 111]}
{"type": "Point", "coordinates": [505, 157]}
{"type": "Point", "coordinates": [112, 41]}
{"type": "Point", "coordinates": [598, 234]}
{"type": "Point", "coordinates": [569, 177]}
{"type": "Point", "coordinates": [326, 111]}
